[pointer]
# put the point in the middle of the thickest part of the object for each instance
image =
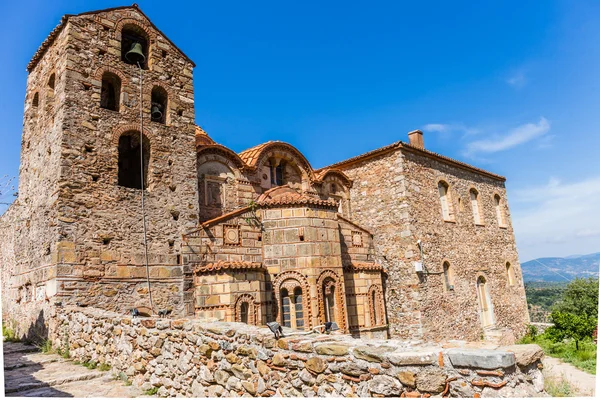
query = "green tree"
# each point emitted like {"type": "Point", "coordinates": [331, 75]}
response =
{"type": "Point", "coordinates": [580, 298]}
{"type": "Point", "coordinates": [575, 316]}
{"type": "Point", "coordinates": [569, 325]}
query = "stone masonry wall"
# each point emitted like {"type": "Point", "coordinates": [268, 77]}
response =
{"type": "Point", "coordinates": [100, 223]}
{"type": "Point", "coordinates": [378, 201]}
{"type": "Point", "coordinates": [395, 195]}
{"type": "Point", "coordinates": [198, 359]}
{"type": "Point", "coordinates": [471, 250]}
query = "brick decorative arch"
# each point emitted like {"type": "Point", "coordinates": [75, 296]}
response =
{"type": "Point", "coordinates": [119, 130]}
{"type": "Point", "coordinates": [377, 306]}
{"type": "Point", "coordinates": [252, 308]}
{"type": "Point", "coordinates": [340, 297]}
{"type": "Point", "coordinates": [104, 68]}
{"type": "Point", "coordinates": [293, 279]}
{"type": "Point", "coordinates": [288, 153]}
{"type": "Point", "coordinates": [143, 25]}
{"type": "Point", "coordinates": [224, 158]}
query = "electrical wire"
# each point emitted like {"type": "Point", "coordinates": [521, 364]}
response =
{"type": "Point", "coordinates": [142, 185]}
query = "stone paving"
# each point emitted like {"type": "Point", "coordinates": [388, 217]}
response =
{"type": "Point", "coordinates": [29, 373]}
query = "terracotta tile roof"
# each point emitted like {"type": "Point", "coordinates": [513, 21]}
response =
{"type": "Point", "coordinates": [250, 156]}
{"type": "Point", "coordinates": [398, 145]}
{"type": "Point", "coordinates": [320, 175]}
{"type": "Point", "coordinates": [286, 196]}
{"type": "Point", "coordinates": [227, 265]}
{"type": "Point", "coordinates": [225, 217]}
{"type": "Point", "coordinates": [63, 21]}
{"type": "Point", "coordinates": [202, 138]}
{"type": "Point", "coordinates": [253, 154]}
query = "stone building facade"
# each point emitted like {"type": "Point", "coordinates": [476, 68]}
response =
{"type": "Point", "coordinates": [397, 242]}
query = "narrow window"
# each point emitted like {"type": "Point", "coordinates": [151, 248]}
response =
{"type": "Point", "coordinates": [285, 308]}
{"type": "Point", "coordinates": [134, 46]}
{"type": "Point", "coordinates": [510, 274]}
{"type": "Point", "coordinates": [52, 81]}
{"type": "Point", "coordinates": [445, 201]}
{"type": "Point", "coordinates": [111, 91]}
{"type": "Point", "coordinates": [277, 173]}
{"type": "Point", "coordinates": [158, 110]}
{"type": "Point", "coordinates": [499, 213]}
{"type": "Point", "coordinates": [131, 173]}
{"type": "Point", "coordinates": [244, 312]}
{"type": "Point", "coordinates": [475, 206]}
{"type": "Point", "coordinates": [374, 308]}
{"type": "Point", "coordinates": [329, 296]}
{"type": "Point", "coordinates": [298, 308]}
{"type": "Point", "coordinates": [448, 277]}
{"type": "Point", "coordinates": [36, 100]}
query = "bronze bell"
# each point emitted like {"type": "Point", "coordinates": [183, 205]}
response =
{"type": "Point", "coordinates": [155, 112]}
{"type": "Point", "coordinates": [135, 54]}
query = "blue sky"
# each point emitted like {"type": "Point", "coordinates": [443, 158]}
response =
{"type": "Point", "coordinates": [512, 87]}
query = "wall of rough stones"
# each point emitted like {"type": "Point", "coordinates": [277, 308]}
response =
{"type": "Point", "coordinates": [395, 195]}
{"type": "Point", "coordinates": [471, 250]}
{"type": "Point", "coordinates": [379, 203]}
{"type": "Point", "coordinates": [199, 358]}
{"type": "Point", "coordinates": [80, 225]}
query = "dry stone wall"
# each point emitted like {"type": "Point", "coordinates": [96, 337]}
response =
{"type": "Point", "coordinates": [198, 358]}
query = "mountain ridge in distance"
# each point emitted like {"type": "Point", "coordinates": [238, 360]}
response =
{"type": "Point", "coordinates": [561, 269]}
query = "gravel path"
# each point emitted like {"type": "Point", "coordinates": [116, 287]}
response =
{"type": "Point", "coordinates": [29, 373]}
{"type": "Point", "coordinates": [583, 382]}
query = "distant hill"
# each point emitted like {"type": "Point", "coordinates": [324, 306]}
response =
{"type": "Point", "coordinates": [556, 269]}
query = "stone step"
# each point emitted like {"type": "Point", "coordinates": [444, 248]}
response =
{"type": "Point", "coordinates": [17, 347]}
{"type": "Point", "coordinates": [98, 387]}
{"type": "Point", "coordinates": [25, 364]}
{"type": "Point", "coordinates": [50, 374]}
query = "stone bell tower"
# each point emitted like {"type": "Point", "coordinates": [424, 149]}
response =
{"type": "Point", "coordinates": [86, 157]}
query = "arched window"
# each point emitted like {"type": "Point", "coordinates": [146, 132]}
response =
{"type": "Point", "coordinates": [277, 172]}
{"type": "Point", "coordinates": [375, 303]}
{"type": "Point", "coordinates": [374, 308]}
{"type": "Point", "coordinates": [475, 207]}
{"type": "Point", "coordinates": [285, 308]}
{"type": "Point", "coordinates": [291, 307]}
{"type": "Point", "coordinates": [131, 173]}
{"type": "Point", "coordinates": [52, 82]}
{"type": "Point", "coordinates": [485, 303]}
{"type": "Point", "coordinates": [446, 201]}
{"type": "Point", "coordinates": [111, 91]}
{"type": "Point", "coordinates": [510, 274]}
{"type": "Point", "coordinates": [244, 312]}
{"type": "Point", "coordinates": [298, 308]}
{"type": "Point", "coordinates": [159, 105]}
{"type": "Point", "coordinates": [329, 296]}
{"type": "Point", "coordinates": [36, 100]}
{"type": "Point", "coordinates": [499, 212]}
{"type": "Point", "coordinates": [130, 36]}
{"type": "Point", "coordinates": [448, 277]}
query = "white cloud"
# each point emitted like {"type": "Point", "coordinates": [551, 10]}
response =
{"type": "Point", "coordinates": [517, 80]}
{"type": "Point", "coordinates": [557, 219]}
{"type": "Point", "coordinates": [437, 128]}
{"type": "Point", "coordinates": [514, 137]}
{"type": "Point", "coordinates": [445, 128]}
